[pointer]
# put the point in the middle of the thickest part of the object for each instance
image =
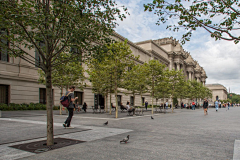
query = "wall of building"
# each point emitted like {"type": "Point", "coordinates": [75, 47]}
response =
{"type": "Point", "coordinates": [21, 77]}
{"type": "Point", "coordinates": [217, 90]}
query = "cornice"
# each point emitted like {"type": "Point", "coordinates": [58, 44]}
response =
{"type": "Point", "coordinates": [131, 43]}
{"type": "Point", "coordinates": [151, 41]}
{"type": "Point", "coordinates": [159, 46]}
{"type": "Point", "coordinates": [160, 56]}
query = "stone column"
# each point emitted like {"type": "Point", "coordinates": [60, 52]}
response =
{"type": "Point", "coordinates": [190, 75]}
{"type": "Point", "coordinates": [198, 79]}
{"type": "Point", "coordinates": [203, 83]}
{"type": "Point", "coordinates": [171, 63]}
{"type": "Point", "coordinates": [178, 66]}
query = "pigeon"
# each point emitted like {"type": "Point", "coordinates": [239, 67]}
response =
{"type": "Point", "coordinates": [125, 139]}
{"type": "Point", "coordinates": [152, 117]}
{"type": "Point", "coordinates": [106, 123]}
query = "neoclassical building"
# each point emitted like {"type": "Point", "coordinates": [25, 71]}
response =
{"type": "Point", "coordinates": [18, 79]}
{"type": "Point", "coordinates": [170, 52]}
{"type": "Point", "coordinates": [219, 92]}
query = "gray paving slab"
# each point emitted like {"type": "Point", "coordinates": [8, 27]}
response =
{"type": "Point", "coordinates": [184, 134]}
{"type": "Point", "coordinates": [20, 130]}
{"type": "Point", "coordinates": [236, 153]}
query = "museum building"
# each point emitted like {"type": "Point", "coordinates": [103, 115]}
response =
{"type": "Point", "coordinates": [19, 79]}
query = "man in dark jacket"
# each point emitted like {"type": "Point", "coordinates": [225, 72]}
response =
{"type": "Point", "coordinates": [71, 99]}
{"type": "Point", "coordinates": [205, 106]}
{"type": "Point", "coordinates": [146, 104]}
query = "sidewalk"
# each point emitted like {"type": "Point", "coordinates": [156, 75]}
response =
{"type": "Point", "coordinates": [184, 134]}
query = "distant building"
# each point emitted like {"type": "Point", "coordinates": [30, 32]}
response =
{"type": "Point", "coordinates": [219, 92]}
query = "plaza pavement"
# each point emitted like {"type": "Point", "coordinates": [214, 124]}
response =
{"type": "Point", "coordinates": [182, 135]}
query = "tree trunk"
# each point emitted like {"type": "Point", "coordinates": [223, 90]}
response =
{"type": "Point", "coordinates": [171, 98]}
{"type": "Point", "coordinates": [152, 93]}
{"type": "Point", "coordinates": [49, 107]}
{"type": "Point", "coordinates": [141, 98]}
{"type": "Point", "coordinates": [116, 110]}
{"type": "Point", "coordinates": [133, 99]}
{"type": "Point", "coordinates": [61, 94]}
{"type": "Point", "coordinates": [152, 103]}
{"type": "Point", "coordinates": [98, 102]}
{"type": "Point", "coordinates": [106, 108]}
{"type": "Point", "coordinates": [110, 112]}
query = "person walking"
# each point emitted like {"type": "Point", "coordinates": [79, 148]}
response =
{"type": "Point", "coordinates": [167, 105]}
{"type": "Point", "coordinates": [205, 106]}
{"type": "Point", "coordinates": [193, 105]}
{"type": "Point", "coordinates": [146, 104]}
{"type": "Point", "coordinates": [216, 105]}
{"type": "Point", "coordinates": [71, 99]}
{"type": "Point", "coordinates": [228, 105]}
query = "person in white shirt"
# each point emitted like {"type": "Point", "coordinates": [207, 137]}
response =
{"type": "Point", "coordinates": [166, 105]}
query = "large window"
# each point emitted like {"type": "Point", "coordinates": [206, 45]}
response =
{"type": "Point", "coordinates": [143, 101]}
{"type": "Point", "coordinates": [43, 96]}
{"type": "Point", "coordinates": [131, 100]}
{"type": "Point", "coordinates": [3, 51]}
{"type": "Point", "coordinates": [4, 93]}
{"type": "Point", "coordinates": [98, 100]}
{"type": "Point", "coordinates": [37, 56]}
{"type": "Point", "coordinates": [119, 98]}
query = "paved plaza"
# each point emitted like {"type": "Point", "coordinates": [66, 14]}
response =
{"type": "Point", "coordinates": [182, 135]}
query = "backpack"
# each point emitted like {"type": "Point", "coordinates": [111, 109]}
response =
{"type": "Point", "coordinates": [64, 100]}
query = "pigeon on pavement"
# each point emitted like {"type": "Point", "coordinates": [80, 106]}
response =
{"type": "Point", "coordinates": [106, 123]}
{"type": "Point", "coordinates": [152, 117]}
{"type": "Point", "coordinates": [125, 139]}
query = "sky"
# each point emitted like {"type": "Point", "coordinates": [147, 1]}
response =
{"type": "Point", "coordinates": [220, 59]}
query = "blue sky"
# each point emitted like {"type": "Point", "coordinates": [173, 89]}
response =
{"type": "Point", "coordinates": [220, 59]}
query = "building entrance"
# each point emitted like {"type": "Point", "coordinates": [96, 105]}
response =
{"type": "Point", "coordinates": [98, 100]}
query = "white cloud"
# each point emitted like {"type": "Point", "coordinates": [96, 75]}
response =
{"type": "Point", "coordinates": [220, 59]}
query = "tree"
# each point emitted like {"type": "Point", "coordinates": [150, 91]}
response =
{"type": "Point", "coordinates": [234, 97]}
{"type": "Point", "coordinates": [175, 82]}
{"type": "Point", "coordinates": [100, 78]}
{"type": "Point", "coordinates": [118, 60]}
{"type": "Point", "coordinates": [218, 17]}
{"type": "Point", "coordinates": [135, 80]}
{"type": "Point", "coordinates": [154, 70]}
{"type": "Point", "coordinates": [53, 27]}
{"type": "Point", "coordinates": [65, 75]}
{"type": "Point", "coordinates": [196, 90]}
{"type": "Point", "coordinates": [113, 65]}
{"type": "Point", "coordinates": [205, 92]}
{"type": "Point", "coordinates": [162, 88]}
{"type": "Point", "coordinates": [184, 91]}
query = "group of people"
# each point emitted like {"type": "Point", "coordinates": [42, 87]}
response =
{"type": "Point", "coordinates": [128, 108]}
{"type": "Point", "coordinates": [72, 105]}
{"type": "Point", "coordinates": [84, 107]}
{"type": "Point", "coordinates": [217, 104]}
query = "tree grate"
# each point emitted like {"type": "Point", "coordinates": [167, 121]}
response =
{"type": "Point", "coordinates": [40, 146]}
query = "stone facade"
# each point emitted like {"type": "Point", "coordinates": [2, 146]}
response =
{"type": "Point", "coordinates": [219, 92]}
{"type": "Point", "coordinates": [170, 52]}
{"type": "Point", "coordinates": [18, 79]}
